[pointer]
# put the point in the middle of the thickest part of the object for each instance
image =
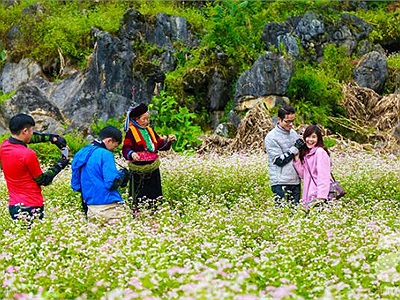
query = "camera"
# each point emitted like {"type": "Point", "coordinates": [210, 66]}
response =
{"type": "Point", "coordinates": [64, 152]}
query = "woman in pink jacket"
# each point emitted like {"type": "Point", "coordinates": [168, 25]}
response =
{"type": "Point", "coordinates": [314, 166]}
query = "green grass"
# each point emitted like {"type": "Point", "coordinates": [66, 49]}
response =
{"type": "Point", "coordinates": [217, 236]}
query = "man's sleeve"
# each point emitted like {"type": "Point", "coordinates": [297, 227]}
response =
{"type": "Point", "coordinates": [112, 177]}
{"type": "Point", "coordinates": [275, 152]}
{"type": "Point", "coordinates": [38, 137]}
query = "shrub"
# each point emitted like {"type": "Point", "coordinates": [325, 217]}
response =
{"type": "Point", "coordinates": [170, 118]}
{"type": "Point", "coordinates": [315, 94]}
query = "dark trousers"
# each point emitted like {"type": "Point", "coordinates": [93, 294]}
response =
{"type": "Point", "coordinates": [145, 188]}
{"type": "Point", "coordinates": [26, 213]}
{"type": "Point", "coordinates": [289, 193]}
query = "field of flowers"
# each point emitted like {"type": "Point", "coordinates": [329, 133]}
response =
{"type": "Point", "coordinates": [218, 235]}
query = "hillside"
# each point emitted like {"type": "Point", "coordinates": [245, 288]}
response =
{"type": "Point", "coordinates": [90, 60]}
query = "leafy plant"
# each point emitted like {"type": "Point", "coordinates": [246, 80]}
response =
{"type": "Point", "coordinates": [315, 95]}
{"type": "Point", "coordinates": [170, 118]}
{"type": "Point", "coordinates": [98, 125]}
{"type": "Point", "coordinates": [5, 97]}
{"type": "Point", "coordinates": [3, 55]}
{"type": "Point", "coordinates": [337, 64]}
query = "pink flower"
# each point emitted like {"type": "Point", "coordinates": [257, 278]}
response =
{"type": "Point", "coordinates": [10, 269]}
{"type": "Point", "coordinates": [176, 270]}
{"type": "Point", "coordinates": [282, 291]}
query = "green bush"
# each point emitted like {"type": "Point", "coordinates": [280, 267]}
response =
{"type": "Point", "coordinates": [337, 64]}
{"type": "Point", "coordinates": [170, 118]}
{"type": "Point", "coordinates": [384, 19]}
{"type": "Point", "coordinates": [5, 97]}
{"type": "Point", "coordinates": [315, 95]}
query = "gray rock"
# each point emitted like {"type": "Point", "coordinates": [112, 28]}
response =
{"type": "Point", "coordinates": [310, 26]}
{"type": "Point", "coordinates": [270, 75]}
{"type": "Point", "coordinates": [226, 130]}
{"type": "Point", "coordinates": [234, 119]}
{"type": "Point", "coordinates": [371, 71]}
{"type": "Point", "coordinates": [29, 99]}
{"type": "Point", "coordinates": [16, 74]}
{"type": "Point", "coordinates": [218, 93]}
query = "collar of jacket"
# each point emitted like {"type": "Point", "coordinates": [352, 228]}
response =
{"type": "Point", "coordinates": [16, 141]}
{"type": "Point", "coordinates": [99, 143]}
{"type": "Point", "coordinates": [283, 129]}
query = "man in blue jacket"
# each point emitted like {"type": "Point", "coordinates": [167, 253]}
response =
{"type": "Point", "coordinates": [95, 176]}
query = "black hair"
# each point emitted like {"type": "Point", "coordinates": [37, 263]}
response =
{"type": "Point", "coordinates": [320, 140]}
{"type": "Point", "coordinates": [111, 132]}
{"type": "Point", "coordinates": [285, 110]}
{"type": "Point", "coordinates": [19, 122]}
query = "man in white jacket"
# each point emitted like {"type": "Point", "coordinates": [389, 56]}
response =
{"type": "Point", "coordinates": [282, 143]}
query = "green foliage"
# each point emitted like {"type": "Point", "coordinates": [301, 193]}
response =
{"type": "Point", "coordinates": [64, 28]}
{"type": "Point", "coordinates": [170, 118]}
{"type": "Point", "coordinates": [234, 30]}
{"type": "Point", "coordinates": [329, 142]}
{"type": "Point", "coordinates": [47, 153]}
{"type": "Point", "coordinates": [3, 137]}
{"type": "Point", "coordinates": [337, 64]}
{"type": "Point", "coordinates": [75, 141]}
{"type": "Point", "coordinates": [315, 95]}
{"type": "Point", "coordinates": [3, 55]}
{"type": "Point", "coordinates": [385, 22]}
{"type": "Point", "coordinates": [5, 97]}
{"type": "Point", "coordinates": [98, 125]}
{"type": "Point", "coordinates": [393, 61]}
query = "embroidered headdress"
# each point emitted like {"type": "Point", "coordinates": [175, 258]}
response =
{"type": "Point", "coordinates": [134, 112]}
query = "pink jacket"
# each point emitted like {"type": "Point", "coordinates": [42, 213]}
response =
{"type": "Point", "coordinates": [318, 163]}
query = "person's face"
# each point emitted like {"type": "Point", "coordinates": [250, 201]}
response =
{"type": "Point", "coordinates": [311, 140]}
{"type": "Point", "coordinates": [143, 120]}
{"type": "Point", "coordinates": [287, 122]}
{"type": "Point", "coordinates": [111, 144]}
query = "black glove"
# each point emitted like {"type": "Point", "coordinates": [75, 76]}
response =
{"type": "Point", "coordinates": [125, 177]}
{"type": "Point", "coordinates": [62, 162]}
{"type": "Point", "coordinates": [299, 144]}
{"type": "Point", "coordinates": [57, 140]}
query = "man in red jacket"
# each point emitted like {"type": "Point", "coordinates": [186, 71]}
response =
{"type": "Point", "coordinates": [22, 171]}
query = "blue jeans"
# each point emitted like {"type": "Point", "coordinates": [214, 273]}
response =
{"type": "Point", "coordinates": [26, 213]}
{"type": "Point", "coordinates": [289, 193]}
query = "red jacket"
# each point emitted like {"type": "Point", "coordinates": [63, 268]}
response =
{"type": "Point", "coordinates": [20, 166]}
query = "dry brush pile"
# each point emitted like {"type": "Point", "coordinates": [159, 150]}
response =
{"type": "Point", "coordinates": [370, 115]}
{"type": "Point", "coordinates": [249, 136]}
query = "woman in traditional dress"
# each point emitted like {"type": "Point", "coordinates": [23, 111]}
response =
{"type": "Point", "coordinates": [140, 148]}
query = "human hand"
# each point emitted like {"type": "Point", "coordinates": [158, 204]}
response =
{"type": "Point", "coordinates": [135, 156]}
{"type": "Point", "coordinates": [299, 144]}
{"type": "Point", "coordinates": [62, 162]}
{"type": "Point", "coordinates": [171, 138]}
{"type": "Point", "coordinates": [58, 140]}
{"type": "Point", "coordinates": [125, 177]}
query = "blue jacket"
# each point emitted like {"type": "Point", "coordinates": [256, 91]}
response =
{"type": "Point", "coordinates": [94, 174]}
